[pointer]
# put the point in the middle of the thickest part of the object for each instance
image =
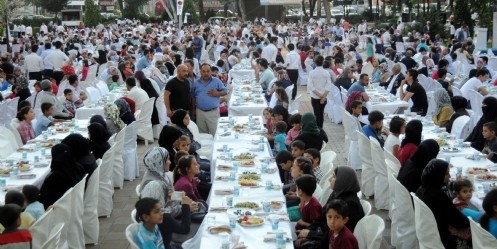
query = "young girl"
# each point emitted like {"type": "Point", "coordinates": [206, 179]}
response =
{"type": "Point", "coordinates": [282, 97]}
{"type": "Point", "coordinates": [183, 143]}
{"type": "Point", "coordinates": [184, 177]}
{"type": "Point", "coordinates": [295, 131]}
{"type": "Point", "coordinates": [267, 118]}
{"type": "Point", "coordinates": [463, 190]}
{"type": "Point", "coordinates": [397, 127]}
{"type": "Point", "coordinates": [489, 219]}
{"type": "Point", "coordinates": [26, 115]}
{"type": "Point", "coordinates": [86, 69]}
{"type": "Point", "coordinates": [301, 166]}
{"type": "Point", "coordinates": [148, 212]}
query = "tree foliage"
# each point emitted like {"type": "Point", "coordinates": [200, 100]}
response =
{"type": "Point", "coordinates": [190, 7]}
{"type": "Point", "coordinates": [132, 8]}
{"type": "Point", "coordinates": [53, 5]}
{"type": "Point", "coordinates": [92, 15]}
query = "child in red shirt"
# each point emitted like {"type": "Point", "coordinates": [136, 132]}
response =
{"type": "Point", "coordinates": [10, 218]}
{"type": "Point", "coordinates": [340, 237]}
{"type": "Point", "coordinates": [309, 206]}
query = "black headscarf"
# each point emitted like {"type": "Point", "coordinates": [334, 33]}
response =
{"type": "Point", "coordinates": [413, 133]}
{"type": "Point", "coordinates": [78, 145]}
{"type": "Point", "coordinates": [178, 116]}
{"type": "Point", "coordinates": [489, 108]}
{"type": "Point", "coordinates": [426, 151]}
{"type": "Point", "coordinates": [64, 163]}
{"type": "Point", "coordinates": [346, 181]}
{"type": "Point", "coordinates": [98, 133]}
{"type": "Point", "coordinates": [433, 175]}
{"type": "Point", "coordinates": [168, 136]}
{"type": "Point", "coordinates": [98, 119]}
{"type": "Point", "coordinates": [147, 86]}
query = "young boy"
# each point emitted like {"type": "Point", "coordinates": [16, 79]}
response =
{"type": "Point", "coordinates": [17, 198]}
{"type": "Point", "coordinates": [69, 104]}
{"type": "Point", "coordinates": [337, 215]}
{"type": "Point", "coordinates": [279, 136]}
{"type": "Point", "coordinates": [295, 131]}
{"type": "Point", "coordinates": [114, 83]}
{"type": "Point", "coordinates": [356, 107]}
{"type": "Point", "coordinates": [375, 127]}
{"type": "Point", "coordinates": [315, 157]}
{"type": "Point", "coordinates": [298, 148]}
{"type": "Point", "coordinates": [10, 218]}
{"type": "Point", "coordinates": [46, 120]}
{"type": "Point", "coordinates": [33, 206]}
{"type": "Point", "coordinates": [463, 190]}
{"type": "Point", "coordinates": [284, 160]}
{"type": "Point", "coordinates": [489, 133]}
{"type": "Point", "coordinates": [309, 206]}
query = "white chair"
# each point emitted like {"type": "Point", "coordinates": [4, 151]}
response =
{"type": "Point", "coordinates": [303, 75]}
{"type": "Point", "coordinates": [133, 216]}
{"type": "Point", "coordinates": [9, 110]}
{"type": "Point", "coordinates": [93, 94]}
{"type": "Point", "coordinates": [105, 185]}
{"type": "Point", "coordinates": [75, 235]}
{"type": "Point", "coordinates": [14, 124]}
{"type": "Point", "coordinates": [392, 169]}
{"type": "Point", "coordinates": [131, 231]}
{"type": "Point", "coordinates": [205, 140]}
{"type": "Point", "coordinates": [367, 69]}
{"type": "Point", "coordinates": [324, 180]}
{"type": "Point", "coordinates": [336, 102]}
{"type": "Point", "coordinates": [273, 100]}
{"type": "Point", "coordinates": [163, 118]}
{"type": "Point", "coordinates": [400, 47]}
{"type": "Point", "coordinates": [137, 190]}
{"type": "Point", "coordinates": [403, 68]}
{"type": "Point", "coordinates": [129, 155]}
{"type": "Point", "coordinates": [366, 206]}
{"type": "Point", "coordinates": [327, 159]}
{"type": "Point", "coordinates": [289, 91]}
{"type": "Point", "coordinates": [350, 124]}
{"type": "Point", "coordinates": [389, 156]}
{"type": "Point", "coordinates": [144, 120]}
{"type": "Point", "coordinates": [481, 238]}
{"type": "Point", "coordinates": [119, 162]}
{"type": "Point", "coordinates": [62, 211]}
{"type": "Point", "coordinates": [368, 172]}
{"type": "Point", "coordinates": [103, 88]}
{"type": "Point", "coordinates": [318, 192]}
{"type": "Point", "coordinates": [460, 127]}
{"type": "Point", "coordinates": [91, 225]}
{"type": "Point", "coordinates": [53, 240]}
{"type": "Point", "coordinates": [403, 218]}
{"type": "Point", "coordinates": [8, 142]}
{"type": "Point", "coordinates": [426, 225]}
{"type": "Point", "coordinates": [325, 195]}
{"type": "Point", "coordinates": [40, 230]}
{"type": "Point", "coordinates": [369, 232]}
{"type": "Point", "coordinates": [347, 128]}
{"type": "Point", "coordinates": [476, 100]}
{"type": "Point", "coordinates": [294, 106]}
{"type": "Point", "coordinates": [381, 196]}
{"type": "Point", "coordinates": [456, 91]}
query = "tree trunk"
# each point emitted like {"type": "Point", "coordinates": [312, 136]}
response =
{"type": "Point", "coordinates": [318, 9]}
{"type": "Point", "coordinates": [241, 5]}
{"type": "Point", "coordinates": [327, 10]}
{"type": "Point", "coordinates": [312, 6]}
{"type": "Point", "coordinates": [303, 8]}
{"type": "Point", "coordinates": [201, 10]}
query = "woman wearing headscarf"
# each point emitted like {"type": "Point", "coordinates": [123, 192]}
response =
{"type": "Point", "coordinates": [310, 133]}
{"type": "Point", "coordinates": [80, 151]}
{"type": "Point", "coordinates": [488, 107]}
{"type": "Point", "coordinates": [181, 119]}
{"type": "Point", "coordinates": [435, 176]}
{"type": "Point", "coordinates": [157, 184]}
{"type": "Point", "coordinates": [168, 139]}
{"type": "Point", "coordinates": [411, 140]}
{"type": "Point", "coordinates": [114, 122]}
{"type": "Point", "coordinates": [65, 172]}
{"type": "Point", "coordinates": [410, 173]}
{"type": "Point", "coordinates": [124, 111]}
{"type": "Point", "coordinates": [99, 119]}
{"type": "Point", "coordinates": [98, 140]}
{"type": "Point", "coordinates": [131, 103]}
{"type": "Point", "coordinates": [459, 104]}
{"type": "Point", "coordinates": [147, 86]}
{"type": "Point", "coordinates": [345, 187]}
{"type": "Point", "coordinates": [443, 110]}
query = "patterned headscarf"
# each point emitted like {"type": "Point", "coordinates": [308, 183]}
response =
{"type": "Point", "coordinates": [123, 106]}
{"type": "Point", "coordinates": [154, 160]}
{"type": "Point", "coordinates": [442, 99]}
{"type": "Point", "coordinates": [111, 112]}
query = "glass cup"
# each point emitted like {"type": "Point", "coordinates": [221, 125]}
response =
{"type": "Point", "coordinates": [211, 220]}
{"type": "Point", "coordinates": [266, 206]}
{"type": "Point", "coordinates": [225, 148]}
{"type": "Point", "coordinates": [261, 147]}
{"type": "Point", "coordinates": [275, 220]}
{"type": "Point", "coordinates": [476, 155]}
{"type": "Point", "coordinates": [232, 175]}
{"type": "Point", "coordinates": [486, 187]}
{"type": "Point", "coordinates": [232, 219]}
{"type": "Point", "coordinates": [37, 159]}
{"type": "Point", "coordinates": [236, 190]}
{"type": "Point", "coordinates": [229, 201]}
{"type": "Point", "coordinates": [43, 151]}
{"type": "Point", "coordinates": [269, 185]}
{"type": "Point", "coordinates": [24, 155]}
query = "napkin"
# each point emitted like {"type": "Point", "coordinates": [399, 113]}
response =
{"type": "Point", "coordinates": [271, 237]}
{"type": "Point", "coordinates": [223, 192]}
{"type": "Point", "coordinates": [224, 167]}
{"type": "Point", "coordinates": [219, 209]}
{"type": "Point", "coordinates": [239, 246]}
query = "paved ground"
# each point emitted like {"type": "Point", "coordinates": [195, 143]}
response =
{"type": "Point", "coordinates": [112, 229]}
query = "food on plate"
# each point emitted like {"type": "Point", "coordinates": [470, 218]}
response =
{"type": "Point", "coordinates": [440, 141]}
{"type": "Point", "coordinates": [220, 229]}
{"type": "Point", "coordinates": [276, 204]}
{"type": "Point", "coordinates": [248, 220]}
{"type": "Point", "coordinates": [222, 178]}
{"type": "Point", "coordinates": [224, 167]}
{"type": "Point", "coordinates": [244, 156]}
{"type": "Point", "coordinates": [247, 163]}
{"type": "Point", "coordinates": [248, 204]}
{"type": "Point", "coordinates": [486, 177]}
{"type": "Point", "coordinates": [246, 89]}
{"type": "Point", "coordinates": [477, 170]}
{"type": "Point", "coordinates": [47, 145]}
{"type": "Point", "coordinates": [238, 126]}
{"type": "Point", "coordinates": [24, 167]}
{"type": "Point", "coordinates": [248, 183]}
{"type": "Point", "coordinates": [62, 129]}
{"type": "Point", "coordinates": [242, 212]}
{"type": "Point", "coordinates": [223, 192]}
{"type": "Point", "coordinates": [250, 176]}
{"type": "Point", "coordinates": [4, 172]}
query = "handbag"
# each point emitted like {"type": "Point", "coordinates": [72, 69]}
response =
{"type": "Point", "coordinates": [294, 213]}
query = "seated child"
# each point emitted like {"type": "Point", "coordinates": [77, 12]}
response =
{"type": "Point", "coordinates": [309, 206]}
{"type": "Point", "coordinates": [463, 190]}
{"type": "Point", "coordinates": [46, 120]}
{"type": "Point", "coordinates": [68, 103]}
{"type": "Point", "coordinates": [337, 215]}
{"type": "Point", "coordinates": [279, 136]}
{"type": "Point", "coordinates": [10, 219]}
{"type": "Point", "coordinates": [114, 84]}
{"type": "Point", "coordinates": [298, 148]}
{"type": "Point", "coordinates": [267, 113]}
{"type": "Point", "coordinates": [85, 70]}
{"type": "Point", "coordinates": [149, 213]}
{"type": "Point", "coordinates": [33, 206]}
{"type": "Point", "coordinates": [295, 131]}
{"type": "Point", "coordinates": [14, 90]}
{"type": "Point", "coordinates": [284, 160]}
{"type": "Point", "coordinates": [488, 220]}
{"type": "Point", "coordinates": [490, 148]}
{"type": "Point", "coordinates": [16, 197]}
{"type": "Point", "coordinates": [301, 166]}
{"type": "Point", "coordinates": [315, 156]}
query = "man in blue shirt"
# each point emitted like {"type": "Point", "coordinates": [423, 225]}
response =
{"type": "Point", "coordinates": [359, 86]}
{"type": "Point", "coordinates": [374, 128]}
{"type": "Point", "coordinates": [145, 60]}
{"type": "Point", "coordinates": [197, 45]}
{"type": "Point", "coordinates": [205, 94]}
{"type": "Point", "coordinates": [10, 79]}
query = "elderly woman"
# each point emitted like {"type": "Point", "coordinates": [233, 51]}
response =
{"type": "Point", "coordinates": [125, 111]}
{"type": "Point", "coordinates": [444, 110]}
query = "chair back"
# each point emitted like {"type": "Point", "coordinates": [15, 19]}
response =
{"type": "Point", "coordinates": [40, 230]}
{"type": "Point", "coordinates": [294, 106]}
{"type": "Point", "coordinates": [323, 199]}
{"type": "Point", "coordinates": [481, 238]}
{"type": "Point", "coordinates": [400, 47]}
{"type": "Point", "coordinates": [369, 232]}
{"type": "Point", "coordinates": [62, 213]}
{"type": "Point", "coordinates": [324, 183]}
{"type": "Point", "coordinates": [426, 225]}
{"type": "Point", "coordinates": [289, 91]}
{"type": "Point", "coordinates": [460, 127]}
{"type": "Point", "coordinates": [161, 109]}
{"type": "Point", "coordinates": [75, 234]}
{"type": "Point", "coordinates": [93, 94]}
{"type": "Point", "coordinates": [456, 91]}
{"type": "Point", "coordinates": [366, 206]}
{"type": "Point", "coordinates": [367, 69]}
{"type": "Point", "coordinates": [368, 172]}
{"type": "Point", "coordinates": [8, 142]}
{"type": "Point", "coordinates": [103, 88]}
{"type": "Point", "coordinates": [145, 121]}
{"type": "Point", "coordinates": [14, 124]}
{"type": "Point", "coordinates": [318, 192]}
{"type": "Point", "coordinates": [129, 155]}
{"type": "Point", "coordinates": [389, 156]}
{"type": "Point", "coordinates": [133, 216]}
{"type": "Point", "coordinates": [192, 126]}
{"type": "Point", "coordinates": [91, 225]}
{"type": "Point", "coordinates": [327, 159]}
{"type": "Point", "coordinates": [381, 194]}
{"type": "Point", "coordinates": [403, 218]}
{"type": "Point", "coordinates": [53, 240]}
{"type": "Point", "coordinates": [476, 100]}
{"type": "Point", "coordinates": [273, 100]}
{"type": "Point", "coordinates": [137, 190]}
{"type": "Point", "coordinates": [105, 185]}
{"type": "Point", "coordinates": [131, 231]}
{"type": "Point", "coordinates": [336, 99]}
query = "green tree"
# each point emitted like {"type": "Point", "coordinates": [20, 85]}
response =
{"type": "Point", "coordinates": [54, 5]}
{"type": "Point", "coordinates": [92, 14]}
{"type": "Point", "coordinates": [189, 7]}
{"type": "Point", "coordinates": [462, 13]}
{"type": "Point", "coordinates": [132, 8]}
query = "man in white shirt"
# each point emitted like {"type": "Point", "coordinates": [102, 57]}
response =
{"type": "Point", "coordinates": [270, 51]}
{"type": "Point", "coordinates": [293, 65]}
{"type": "Point", "coordinates": [56, 60]}
{"type": "Point", "coordinates": [135, 93]}
{"type": "Point", "coordinates": [34, 64]}
{"type": "Point", "coordinates": [78, 95]}
{"type": "Point", "coordinates": [44, 28]}
{"type": "Point", "coordinates": [319, 84]}
{"type": "Point", "coordinates": [476, 84]}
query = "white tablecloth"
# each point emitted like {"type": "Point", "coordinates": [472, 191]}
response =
{"type": "Point", "coordinates": [380, 100]}
{"type": "Point", "coordinates": [240, 73]}
{"type": "Point", "coordinates": [247, 105]}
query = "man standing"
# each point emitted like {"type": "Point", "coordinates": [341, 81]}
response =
{"type": "Point", "coordinates": [292, 67]}
{"type": "Point", "coordinates": [197, 43]}
{"type": "Point", "coordinates": [205, 95]}
{"type": "Point", "coordinates": [56, 60]}
{"type": "Point", "coordinates": [34, 64]}
{"type": "Point", "coordinates": [270, 51]}
{"type": "Point", "coordinates": [177, 94]}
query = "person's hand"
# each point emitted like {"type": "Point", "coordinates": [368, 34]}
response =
{"type": "Point", "coordinates": [213, 93]}
{"type": "Point", "coordinates": [169, 113]}
{"type": "Point", "coordinates": [291, 194]}
{"type": "Point", "coordinates": [193, 206]}
{"type": "Point", "coordinates": [186, 200]}
{"type": "Point", "coordinates": [303, 233]}
{"type": "Point", "coordinates": [490, 155]}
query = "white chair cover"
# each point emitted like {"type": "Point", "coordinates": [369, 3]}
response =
{"type": "Point", "coordinates": [456, 91]}
{"type": "Point", "coordinates": [347, 128]}
{"type": "Point", "coordinates": [91, 227]}
{"type": "Point", "coordinates": [476, 100]}
{"type": "Point", "coordinates": [40, 230]}
{"type": "Point", "coordinates": [163, 118]}
{"type": "Point", "coordinates": [14, 124]}
{"type": "Point", "coordinates": [294, 106]}
{"type": "Point", "coordinates": [481, 238]}
{"type": "Point", "coordinates": [400, 47]}
{"type": "Point", "coordinates": [204, 139]}
{"type": "Point", "coordinates": [129, 155]}
{"type": "Point", "coordinates": [303, 77]}
{"type": "Point", "coordinates": [403, 217]}
{"type": "Point", "coordinates": [367, 69]}
{"type": "Point", "coordinates": [426, 226]}
{"type": "Point", "coordinates": [389, 156]}
{"type": "Point", "coordinates": [381, 196]}
{"type": "Point", "coordinates": [118, 170]}
{"type": "Point", "coordinates": [392, 168]}
{"type": "Point", "coordinates": [131, 231]}
{"type": "Point", "coordinates": [93, 94]}
{"type": "Point", "coordinates": [4, 120]}
{"type": "Point", "coordinates": [53, 240]}
{"type": "Point", "coordinates": [105, 186]}
{"type": "Point", "coordinates": [460, 127]}
{"type": "Point", "coordinates": [366, 207]}
{"type": "Point", "coordinates": [368, 172]}
{"type": "Point", "coordinates": [145, 122]}
{"type": "Point", "coordinates": [289, 91]}
{"type": "Point", "coordinates": [103, 88]}
{"type": "Point", "coordinates": [369, 232]}
{"type": "Point", "coordinates": [75, 235]}
{"type": "Point", "coordinates": [353, 157]}
{"type": "Point", "coordinates": [60, 93]}
{"type": "Point", "coordinates": [62, 212]}
{"type": "Point", "coordinates": [8, 142]}
{"type": "Point", "coordinates": [273, 100]}
{"type": "Point", "coordinates": [336, 102]}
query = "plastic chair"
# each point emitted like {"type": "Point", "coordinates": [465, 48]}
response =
{"type": "Point", "coordinates": [403, 218]}
{"type": "Point", "coordinates": [381, 197]}
{"type": "Point", "coordinates": [476, 100]}
{"type": "Point", "coordinates": [367, 69]}
{"type": "Point", "coordinates": [129, 155]}
{"type": "Point", "coordinates": [324, 196]}
{"type": "Point", "coordinates": [460, 127]}
{"type": "Point", "coordinates": [318, 192]}
{"type": "Point", "coordinates": [456, 91]}
{"type": "Point", "coordinates": [163, 118]}
{"type": "Point", "coordinates": [54, 238]}
{"type": "Point", "coordinates": [273, 100]}
{"type": "Point", "coordinates": [133, 216]}
{"type": "Point", "coordinates": [137, 190]}
{"type": "Point", "coordinates": [369, 232]}
{"type": "Point", "coordinates": [366, 206]}
{"type": "Point", "coordinates": [105, 185]}
{"type": "Point", "coordinates": [131, 231]}
{"type": "Point", "coordinates": [481, 238]}
{"type": "Point", "coordinates": [91, 226]}
{"type": "Point", "coordinates": [119, 163]}
{"type": "Point", "coordinates": [426, 225]}
{"type": "Point", "coordinates": [144, 120]}
{"type": "Point", "coordinates": [324, 180]}
{"type": "Point", "coordinates": [336, 101]}
{"type": "Point", "coordinates": [289, 91]}
{"type": "Point", "coordinates": [327, 159]}
{"type": "Point", "coordinates": [75, 235]}
{"type": "Point", "coordinates": [350, 124]}
{"type": "Point", "coordinates": [205, 139]}
{"type": "Point", "coordinates": [392, 169]}
{"type": "Point", "coordinates": [368, 172]}
{"type": "Point", "coordinates": [62, 212]}
{"type": "Point", "coordinates": [14, 124]}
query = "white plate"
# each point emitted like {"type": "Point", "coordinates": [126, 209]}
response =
{"type": "Point", "coordinates": [240, 211]}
